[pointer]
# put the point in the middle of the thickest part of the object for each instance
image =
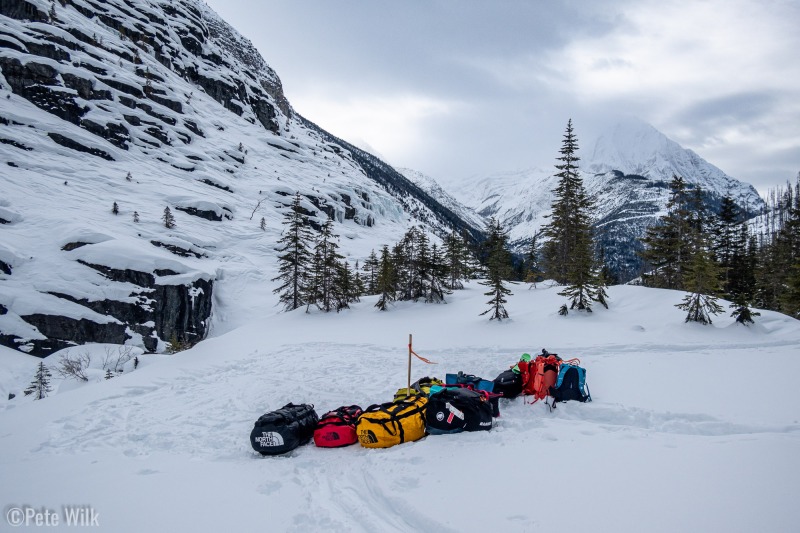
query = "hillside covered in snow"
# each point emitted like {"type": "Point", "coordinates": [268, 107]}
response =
{"type": "Point", "coordinates": [113, 111]}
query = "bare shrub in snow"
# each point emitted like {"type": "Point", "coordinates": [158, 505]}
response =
{"type": "Point", "coordinates": [74, 366]}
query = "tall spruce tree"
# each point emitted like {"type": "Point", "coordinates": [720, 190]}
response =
{"type": "Point", "coordinates": [294, 259]}
{"type": "Point", "coordinates": [456, 259]}
{"type": "Point", "coordinates": [741, 280]}
{"type": "Point", "coordinates": [40, 386]}
{"type": "Point", "coordinates": [569, 252]}
{"type": "Point", "coordinates": [727, 244]}
{"type": "Point", "coordinates": [371, 273]}
{"type": "Point", "coordinates": [667, 244]}
{"type": "Point", "coordinates": [436, 274]}
{"type": "Point", "coordinates": [498, 266]}
{"type": "Point", "coordinates": [327, 295]}
{"type": "Point", "coordinates": [385, 284]}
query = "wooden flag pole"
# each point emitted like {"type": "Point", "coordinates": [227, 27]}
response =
{"type": "Point", "coordinates": [408, 390]}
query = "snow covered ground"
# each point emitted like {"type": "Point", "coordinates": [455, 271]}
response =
{"type": "Point", "coordinates": [692, 428]}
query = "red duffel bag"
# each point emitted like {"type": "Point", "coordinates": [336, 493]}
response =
{"type": "Point", "coordinates": [337, 428]}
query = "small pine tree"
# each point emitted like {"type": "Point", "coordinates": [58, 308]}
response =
{"type": "Point", "coordinates": [40, 386]}
{"type": "Point", "coordinates": [498, 264]}
{"type": "Point", "coordinates": [109, 375]}
{"type": "Point", "coordinates": [136, 216]}
{"type": "Point", "coordinates": [263, 224]}
{"type": "Point", "coordinates": [701, 280]}
{"type": "Point", "coordinates": [52, 13]}
{"type": "Point", "coordinates": [115, 208]}
{"type": "Point", "coordinates": [129, 177]}
{"type": "Point", "coordinates": [168, 218]}
{"type": "Point", "coordinates": [136, 362]}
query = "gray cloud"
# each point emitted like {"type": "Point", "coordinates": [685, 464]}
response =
{"type": "Point", "coordinates": [455, 88]}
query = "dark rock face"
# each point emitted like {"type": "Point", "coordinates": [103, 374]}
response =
{"type": "Point", "coordinates": [208, 215]}
{"type": "Point", "coordinates": [163, 312]}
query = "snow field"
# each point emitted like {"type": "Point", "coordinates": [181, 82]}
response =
{"type": "Point", "coordinates": [682, 434]}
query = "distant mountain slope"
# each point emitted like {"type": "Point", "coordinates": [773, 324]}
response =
{"type": "Point", "coordinates": [627, 174]}
{"type": "Point", "coordinates": [151, 104]}
{"type": "Point", "coordinates": [434, 190]}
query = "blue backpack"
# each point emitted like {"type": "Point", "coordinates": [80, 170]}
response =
{"type": "Point", "coordinates": [570, 385]}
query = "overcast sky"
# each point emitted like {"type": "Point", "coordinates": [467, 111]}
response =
{"type": "Point", "coordinates": [456, 88]}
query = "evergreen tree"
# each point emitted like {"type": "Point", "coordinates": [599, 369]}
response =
{"type": "Point", "coordinates": [168, 218]}
{"type": "Point", "coordinates": [109, 375]}
{"type": "Point", "coordinates": [371, 273]}
{"type": "Point", "coordinates": [129, 177]}
{"type": "Point", "coordinates": [435, 289]}
{"type": "Point", "coordinates": [741, 280]}
{"type": "Point", "coordinates": [263, 224]}
{"type": "Point", "coordinates": [385, 285]}
{"type": "Point", "coordinates": [701, 280]}
{"type": "Point", "coordinates": [40, 386]}
{"type": "Point", "coordinates": [569, 253]}
{"type": "Point", "coordinates": [667, 244]}
{"type": "Point", "coordinates": [401, 271]}
{"type": "Point", "coordinates": [115, 208]}
{"type": "Point", "coordinates": [343, 286]}
{"type": "Point", "coordinates": [136, 216]}
{"type": "Point", "coordinates": [328, 259]}
{"type": "Point", "coordinates": [456, 259]}
{"type": "Point", "coordinates": [727, 245]}
{"type": "Point", "coordinates": [569, 218]}
{"type": "Point", "coordinates": [358, 283]}
{"type": "Point", "coordinates": [498, 265]}
{"type": "Point", "coordinates": [294, 258]}
{"type": "Point", "coordinates": [532, 271]}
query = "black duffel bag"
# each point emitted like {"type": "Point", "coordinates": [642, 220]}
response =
{"type": "Point", "coordinates": [457, 409]}
{"type": "Point", "coordinates": [508, 383]}
{"type": "Point", "coordinates": [284, 430]}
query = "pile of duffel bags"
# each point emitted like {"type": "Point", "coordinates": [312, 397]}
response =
{"type": "Point", "coordinates": [463, 402]}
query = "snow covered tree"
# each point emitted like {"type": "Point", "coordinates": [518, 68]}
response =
{"type": "Point", "coordinates": [294, 259]}
{"type": "Point", "coordinates": [40, 386]}
{"type": "Point", "coordinates": [263, 224]}
{"type": "Point", "coordinates": [109, 375]}
{"type": "Point", "coordinates": [498, 266]}
{"type": "Point", "coordinates": [136, 216]}
{"type": "Point", "coordinates": [115, 208]}
{"type": "Point", "coordinates": [168, 218]}
{"type": "Point", "coordinates": [129, 177]}
{"type": "Point", "coordinates": [385, 284]}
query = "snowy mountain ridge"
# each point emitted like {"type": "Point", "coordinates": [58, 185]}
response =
{"type": "Point", "coordinates": [627, 175]}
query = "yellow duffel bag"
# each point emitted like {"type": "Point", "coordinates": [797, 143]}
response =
{"type": "Point", "coordinates": [387, 424]}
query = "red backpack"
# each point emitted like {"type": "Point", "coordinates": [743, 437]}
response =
{"type": "Point", "coordinates": [539, 375]}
